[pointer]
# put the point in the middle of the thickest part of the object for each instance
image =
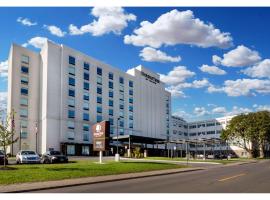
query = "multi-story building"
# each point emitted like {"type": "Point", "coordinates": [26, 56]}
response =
{"type": "Point", "coordinates": [59, 93]}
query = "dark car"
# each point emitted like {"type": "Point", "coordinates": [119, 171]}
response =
{"type": "Point", "coordinates": [2, 158]}
{"type": "Point", "coordinates": [53, 157]}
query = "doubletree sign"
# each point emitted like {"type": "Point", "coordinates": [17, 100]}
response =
{"type": "Point", "coordinates": [101, 135]}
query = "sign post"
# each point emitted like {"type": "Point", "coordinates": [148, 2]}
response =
{"type": "Point", "coordinates": [101, 133]}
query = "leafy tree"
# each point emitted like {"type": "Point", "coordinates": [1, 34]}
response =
{"type": "Point", "coordinates": [6, 135]}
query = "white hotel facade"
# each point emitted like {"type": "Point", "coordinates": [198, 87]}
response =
{"type": "Point", "coordinates": [59, 93]}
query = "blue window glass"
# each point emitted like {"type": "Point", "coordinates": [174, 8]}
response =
{"type": "Point", "coordinates": [130, 125]}
{"type": "Point", "coordinates": [121, 106]}
{"type": "Point", "coordinates": [85, 96]}
{"type": "Point", "coordinates": [121, 80]}
{"type": "Point", "coordinates": [110, 84]}
{"type": "Point", "coordinates": [85, 137]}
{"type": "Point", "coordinates": [99, 109]}
{"type": "Point", "coordinates": [99, 90]}
{"type": "Point", "coordinates": [111, 94]}
{"type": "Point", "coordinates": [71, 113]}
{"type": "Point", "coordinates": [86, 116]}
{"type": "Point", "coordinates": [86, 66]}
{"type": "Point", "coordinates": [24, 91]}
{"type": "Point", "coordinates": [86, 86]}
{"type": "Point", "coordinates": [111, 76]}
{"type": "Point", "coordinates": [111, 112]}
{"type": "Point", "coordinates": [111, 130]}
{"type": "Point", "coordinates": [130, 108]}
{"type": "Point", "coordinates": [110, 102]}
{"type": "Point", "coordinates": [71, 60]}
{"type": "Point", "coordinates": [24, 69]}
{"type": "Point", "coordinates": [24, 80]}
{"type": "Point", "coordinates": [99, 99]}
{"type": "Point", "coordinates": [86, 76]}
{"type": "Point", "coordinates": [71, 93]}
{"type": "Point", "coordinates": [130, 83]}
{"type": "Point", "coordinates": [131, 117]}
{"type": "Point", "coordinates": [130, 100]}
{"type": "Point", "coordinates": [111, 121]}
{"type": "Point", "coordinates": [99, 118]}
{"type": "Point", "coordinates": [121, 123]}
{"type": "Point", "coordinates": [85, 127]}
{"type": "Point", "coordinates": [130, 92]}
{"type": "Point", "coordinates": [71, 81]}
{"type": "Point", "coordinates": [99, 71]}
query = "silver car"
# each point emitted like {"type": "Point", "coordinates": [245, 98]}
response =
{"type": "Point", "coordinates": [25, 156]}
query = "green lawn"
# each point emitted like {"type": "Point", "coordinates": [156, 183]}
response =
{"type": "Point", "coordinates": [46, 172]}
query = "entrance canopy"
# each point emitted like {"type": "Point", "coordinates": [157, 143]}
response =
{"type": "Point", "coordinates": [138, 139]}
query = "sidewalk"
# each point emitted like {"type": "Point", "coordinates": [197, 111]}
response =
{"type": "Point", "coordinates": [28, 187]}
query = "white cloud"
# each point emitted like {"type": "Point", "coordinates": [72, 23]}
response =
{"type": "Point", "coordinates": [239, 57]}
{"type": "Point", "coordinates": [109, 19]}
{"type": "Point", "coordinates": [178, 75]}
{"type": "Point", "coordinates": [260, 70]}
{"type": "Point", "coordinates": [26, 21]}
{"type": "Point", "coordinates": [37, 42]}
{"type": "Point", "coordinates": [219, 110]}
{"type": "Point", "coordinates": [176, 27]}
{"type": "Point", "coordinates": [212, 70]}
{"type": "Point", "coordinates": [183, 114]}
{"type": "Point", "coordinates": [200, 111]}
{"type": "Point", "coordinates": [262, 107]}
{"type": "Point", "coordinates": [4, 68]}
{"type": "Point", "coordinates": [54, 30]}
{"type": "Point", "coordinates": [236, 110]}
{"type": "Point", "coordinates": [176, 92]}
{"type": "Point", "coordinates": [153, 55]}
{"type": "Point", "coordinates": [3, 103]}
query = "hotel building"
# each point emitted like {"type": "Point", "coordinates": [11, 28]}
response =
{"type": "Point", "coordinates": [59, 93]}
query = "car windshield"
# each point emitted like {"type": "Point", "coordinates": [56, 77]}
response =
{"type": "Point", "coordinates": [1, 153]}
{"type": "Point", "coordinates": [28, 153]}
{"type": "Point", "coordinates": [55, 153]}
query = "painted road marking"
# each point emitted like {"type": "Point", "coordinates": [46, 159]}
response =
{"type": "Point", "coordinates": [231, 177]}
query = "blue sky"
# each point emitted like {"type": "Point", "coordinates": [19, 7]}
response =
{"type": "Point", "coordinates": [178, 43]}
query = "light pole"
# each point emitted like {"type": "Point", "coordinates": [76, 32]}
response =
{"type": "Point", "coordinates": [117, 157]}
{"type": "Point", "coordinates": [36, 129]}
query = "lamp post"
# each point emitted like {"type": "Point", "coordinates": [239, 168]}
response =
{"type": "Point", "coordinates": [36, 129]}
{"type": "Point", "coordinates": [117, 157]}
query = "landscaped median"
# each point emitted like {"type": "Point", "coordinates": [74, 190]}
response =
{"type": "Point", "coordinates": [77, 169]}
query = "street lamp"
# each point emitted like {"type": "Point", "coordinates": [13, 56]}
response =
{"type": "Point", "coordinates": [36, 130]}
{"type": "Point", "coordinates": [117, 157]}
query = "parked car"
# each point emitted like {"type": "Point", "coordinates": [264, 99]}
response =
{"type": "Point", "coordinates": [2, 158]}
{"type": "Point", "coordinates": [53, 157]}
{"type": "Point", "coordinates": [27, 157]}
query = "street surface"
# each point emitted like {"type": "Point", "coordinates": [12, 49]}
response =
{"type": "Point", "coordinates": [244, 178]}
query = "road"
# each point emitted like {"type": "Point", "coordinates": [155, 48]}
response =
{"type": "Point", "coordinates": [245, 178]}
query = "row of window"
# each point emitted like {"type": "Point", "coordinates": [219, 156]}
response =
{"type": "Point", "coordinates": [204, 125]}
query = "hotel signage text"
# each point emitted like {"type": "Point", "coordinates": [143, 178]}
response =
{"type": "Point", "coordinates": [150, 78]}
{"type": "Point", "coordinates": [101, 134]}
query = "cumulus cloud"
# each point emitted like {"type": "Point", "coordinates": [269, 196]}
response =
{"type": "Point", "coordinates": [177, 75]}
{"type": "Point", "coordinates": [37, 42]}
{"type": "Point", "coordinates": [261, 70]}
{"type": "Point", "coordinates": [178, 27]}
{"type": "Point", "coordinates": [54, 30]}
{"type": "Point", "coordinates": [4, 68]}
{"type": "Point", "coordinates": [212, 70]}
{"type": "Point", "coordinates": [26, 22]}
{"type": "Point", "coordinates": [200, 111]}
{"type": "Point", "coordinates": [153, 55]}
{"type": "Point", "coordinates": [183, 114]}
{"type": "Point", "coordinates": [238, 110]}
{"type": "Point", "coordinates": [219, 110]}
{"type": "Point", "coordinates": [239, 57]}
{"type": "Point", "coordinates": [3, 103]}
{"type": "Point", "coordinates": [262, 107]}
{"type": "Point", "coordinates": [109, 19]}
{"type": "Point", "coordinates": [176, 92]}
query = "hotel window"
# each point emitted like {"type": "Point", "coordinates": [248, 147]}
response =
{"type": "Point", "coordinates": [86, 96]}
{"type": "Point", "coordinates": [131, 92]}
{"type": "Point", "coordinates": [85, 136]}
{"type": "Point", "coordinates": [85, 127]}
{"type": "Point", "coordinates": [111, 94]}
{"type": "Point", "coordinates": [111, 103]}
{"type": "Point", "coordinates": [85, 150]}
{"type": "Point", "coordinates": [130, 124]}
{"type": "Point", "coordinates": [99, 71]}
{"type": "Point", "coordinates": [86, 76]}
{"type": "Point", "coordinates": [130, 108]}
{"type": "Point", "coordinates": [71, 70]}
{"type": "Point", "coordinates": [71, 125]}
{"type": "Point", "coordinates": [130, 100]}
{"type": "Point", "coordinates": [121, 80]}
{"type": "Point", "coordinates": [130, 116]}
{"type": "Point", "coordinates": [86, 116]}
{"type": "Point", "coordinates": [210, 124]}
{"type": "Point", "coordinates": [111, 76]}
{"type": "Point", "coordinates": [99, 109]}
{"type": "Point", "coordinates": [23, 113]}
{"type": "Point", "coordinates": [70, 149]}
{"type": "Point", "coordinates": [71, 60]}
{"type": "Point", "coordinates": [121, 106]}
{"type": "Point", "coordinates": [85, 105]}
{"type": "Point", "coordinates": [99, 90]}
{"type": "Point", "coordinates": [24, 91]}
{"type": "Point", "coordinates": [210, 132]}
{"type": "Point", "coordinates": [24, 134]}
{"type": "Point", "coordinates": [121, 114]}
{"type": "Point", "coordinates": [99, 99]}
{"type": "Point", "coordinates": [70, 135]}
{"type": "Point", "coordinates": [111, 121]}
{"type": "Point", "coordinates": [23, 124]}
{"type": "Point", "coordinates": [71, 102]}
{"type": "Point", "coordinates": [111, 112]}
{"type": "Point", "coordinates": [86, 86]}
{"type": "Point", "coordinates": [86, 66]}
{"type": "Point", "coordinates": [111, 130]}
{"type": "Point", "coordinates": [24, 80]}
{"type": "Point", "coordinates": [130, 83]}
{"type": "Point", "coordinates": [71, 114]}
{"type": "Point", "coordinates": [99, 80]}
{"type": "Point", "coordinates": [25, 59]}
{"type": "Point", "coordinates": [24, 70]}
{"type": "Point", "coordinates": [110, 84]}
{"type": "Point", "coordinates": [121, 131]}
{"type": "Point", "coordinates": [24, 102]}
{"type": "Point", "coordinates": [121, 96]}
{"type": "Point", "coordinates": [71, 93]}
{"type": "Point", "coordinates": [121, 88]}
{"type": "Point", "coordinates": [99, 118]}
{"type": "Point", "coordinates": [71, 81]}
{"type": "Point", "coordinates": [121, 123]}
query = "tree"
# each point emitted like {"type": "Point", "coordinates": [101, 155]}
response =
{"type": "Point", "coordinates": [6, 135]}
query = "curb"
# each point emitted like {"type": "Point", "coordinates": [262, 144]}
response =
{"type": "Point", "coordinates": [84, 181]}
